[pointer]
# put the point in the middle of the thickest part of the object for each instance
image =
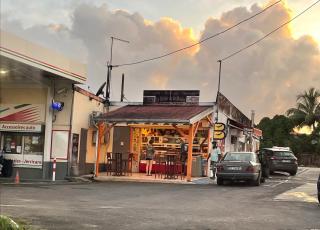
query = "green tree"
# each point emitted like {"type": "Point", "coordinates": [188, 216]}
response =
{"type": "Point", "coordinates": [307, 111]}
{"type": "Point", "coordinates": [276, 131]}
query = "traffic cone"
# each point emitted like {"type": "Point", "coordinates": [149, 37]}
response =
{"type": "Point", "coordinates": [17, 178]}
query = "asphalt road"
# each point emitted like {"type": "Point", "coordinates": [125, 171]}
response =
{"type": "Point", "coordinates": [283, 202]}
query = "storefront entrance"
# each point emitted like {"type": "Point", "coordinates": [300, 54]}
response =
{"type": "Point", "coordinates": [24, 148]}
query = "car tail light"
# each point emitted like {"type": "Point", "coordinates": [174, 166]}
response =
{"type": "Point", "coordinates": [219, 168]}
{"type": "Point", "coordinates": [273, 158]}
{"type": "Point", "coordinates": [250, 169]}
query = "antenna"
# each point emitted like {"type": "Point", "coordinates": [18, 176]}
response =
{"type": "Point", "coordinates": [110, 66]}
{"type": "Point", "coordinates": [100, 90]}
{"type": "Point", "coordinates": [122, 88]}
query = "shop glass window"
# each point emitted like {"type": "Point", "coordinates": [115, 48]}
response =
{"type": "Point", "coordinates": [12, 143]}
{"type": "Point", "coordinates": [33, 145]}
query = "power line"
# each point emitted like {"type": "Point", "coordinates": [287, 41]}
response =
{"type": "Point", "coordinates": [268, 34]}
{"type": "Point", "coordinates": [201, 41]}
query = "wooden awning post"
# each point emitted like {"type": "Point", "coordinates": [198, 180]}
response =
{"type": "Point", "coordinates": [100, 133]}
{"type": "Point", "coordinates": [190, 147]}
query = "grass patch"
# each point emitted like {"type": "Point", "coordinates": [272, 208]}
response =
{"type": "Point", "coordinates": [7, 223]}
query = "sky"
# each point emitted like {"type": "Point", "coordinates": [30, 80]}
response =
{"type": "Point", "coordinates": [265, 78]}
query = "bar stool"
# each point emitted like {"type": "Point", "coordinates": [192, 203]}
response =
{"type": "Point", "coordinates": [180, 168]}
{"type": "Point", "coordinates": [109, 164]}
{"type": "Point", "coordinates": [171, 164]}
{"type": "Point", "coordinates": [118, 164]}
{"type": "Point", "coordinates": [128, 164]}
{"type": "Point", "coordinates": [160, 165]}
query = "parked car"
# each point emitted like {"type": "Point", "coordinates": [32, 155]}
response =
{"type": "Point", "coordinates": [239, 166]}
{"type": "Point", "coordinates": [318, 186]}
{"type": "Point", "coordinates": [278, 159]}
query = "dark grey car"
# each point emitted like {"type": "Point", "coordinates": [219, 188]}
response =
{"type": "Point", "coordinates": [279, 159]}
{"type": "Point", "coordinates": [239, 166]}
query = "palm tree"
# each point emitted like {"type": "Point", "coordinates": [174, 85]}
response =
{"type": "Point", "coordinates": [307, 111]}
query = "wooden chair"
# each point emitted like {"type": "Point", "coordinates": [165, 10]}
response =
{"type": "Point", "coordinates": [109, 163]}
{"type": "Point", "coordinates": [171, 165]}
{"type": "Point", "coordinates": [160, 165]}
{"type": "Point", "coordinates": [180, 167]}
{"type": "Point", "coordinates": [128, 164]}
{"type": "Point", "coordinates": [119, 163]}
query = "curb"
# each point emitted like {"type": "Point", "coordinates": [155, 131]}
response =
{"type": "Point", "coordinates": [195, 182]}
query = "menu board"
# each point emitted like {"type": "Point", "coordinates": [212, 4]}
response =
{"type": "Point", "coordinates": [136, 140]}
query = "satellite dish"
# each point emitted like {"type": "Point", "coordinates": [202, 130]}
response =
{"type": "Point", "coordinates": [100, 90]}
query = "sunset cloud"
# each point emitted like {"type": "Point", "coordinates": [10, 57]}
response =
{"type": "Point", "coordinates": [267, 77]}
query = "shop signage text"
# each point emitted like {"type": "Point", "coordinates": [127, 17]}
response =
{"type": "Point", "coordinates": [10, 127]}
{"type": "Point", "coordinates": [25, 161]}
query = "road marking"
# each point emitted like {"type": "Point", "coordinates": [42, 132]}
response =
{"type": "Point", "coordinates": [90, 225]}
{"type": "Point", "coordinates": [302, 196]}
{"type": "Point", "coordinates": [109, 207]}
{"type": "Point", "coordinates": [303, 193]}
{"type": "Point", "coordinates": [282, 182]}
{"type": "Point", "coordinates": [302, 171]}
{"type": "Point", "coordinates": [12, 205]}
{"type": "Point", "coordinates": [27, 200]}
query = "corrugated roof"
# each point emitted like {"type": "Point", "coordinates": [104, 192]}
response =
{"type": "Point", "coordinates": [157, 114]}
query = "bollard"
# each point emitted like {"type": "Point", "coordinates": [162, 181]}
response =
{"type": "Point", "coordinates": [54, 169]}
{"type": "Point", "coordinates": [17, 178]}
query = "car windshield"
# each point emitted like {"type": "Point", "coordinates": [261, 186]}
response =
{"type": "Point", "coordinates": [239, 157]}
{"type": "Point", "coordinates": [283, 154]}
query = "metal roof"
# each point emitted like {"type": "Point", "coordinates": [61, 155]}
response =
{"type": "Point", "coordinates": [171, 114]}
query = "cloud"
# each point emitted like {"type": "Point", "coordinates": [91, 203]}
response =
{"type": "Point", "coordinates": [266, 77]}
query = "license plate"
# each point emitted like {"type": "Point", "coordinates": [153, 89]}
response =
{"type": "Point", "coordinates": [286, 161]}
{"type": "Point", "coordinates": [234, 168]}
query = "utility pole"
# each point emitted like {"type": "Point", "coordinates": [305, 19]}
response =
{"type": "Point", "coordinates": [110, 66]}
{"type": "Point", "coordinates": [218, 92]}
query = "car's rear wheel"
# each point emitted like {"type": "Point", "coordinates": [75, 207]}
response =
{"type": "Point", "coordinates": [258, 181]}
{"type": "Point", "coordinates": [219, 181]}
{"type": "Point", "coordinates": [293, 173]}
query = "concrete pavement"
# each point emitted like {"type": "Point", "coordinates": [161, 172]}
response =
{"type": "Point", "coordinates": [126, 205]}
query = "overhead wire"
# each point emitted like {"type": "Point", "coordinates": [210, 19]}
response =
{"type": "Point", "coordinates": [268, 34]}
{"type": "Point", "coordinates": [201, 41]}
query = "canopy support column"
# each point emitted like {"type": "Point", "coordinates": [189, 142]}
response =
{"type": "Point", "coordinates": [190, 147]}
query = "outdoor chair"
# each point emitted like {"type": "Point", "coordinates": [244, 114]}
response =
{"type": "Point", "coordinates": [159, 166]}
{"type": "Point", "coordinates": [128, 164]}
{"type": "Point", "coordinates": [180, 167]}
{"type": "Point", "coordinates": [109, 164]}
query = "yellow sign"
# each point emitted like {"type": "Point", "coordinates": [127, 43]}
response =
{"type": "Point", "coordinates": [219, 127]}
{"type": "Point", "coordinates": [219, 135]}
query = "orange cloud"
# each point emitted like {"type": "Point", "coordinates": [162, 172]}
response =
{"type": "Point", "coordinates": [159, 81]}
{"type": "Point", "coordinates": [181, 37]}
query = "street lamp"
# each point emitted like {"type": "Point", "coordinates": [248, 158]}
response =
{"type": "Point", "coordinates": [110, 66]}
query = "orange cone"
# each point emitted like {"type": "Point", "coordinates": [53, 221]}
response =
{"type": "Point", "coordinates": [17, 179]}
